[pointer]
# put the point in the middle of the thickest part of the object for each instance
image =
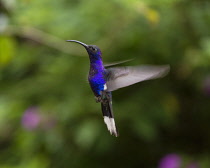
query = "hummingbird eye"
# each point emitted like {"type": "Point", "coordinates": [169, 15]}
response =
{"type": "Point", "coordinates": [93, 49]}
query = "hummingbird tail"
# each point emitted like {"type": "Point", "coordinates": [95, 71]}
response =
{"type": "Point", "coordinates": [106, 106]}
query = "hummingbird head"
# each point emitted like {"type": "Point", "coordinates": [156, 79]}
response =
{"type": "Point", "coordinates": [93, 51]}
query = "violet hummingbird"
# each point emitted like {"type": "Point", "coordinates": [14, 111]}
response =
{"type": "Point", "coordinates": [103, 81]}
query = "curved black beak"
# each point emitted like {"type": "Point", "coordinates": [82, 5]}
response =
{"type": "Point", "coordinates": [85, 45]}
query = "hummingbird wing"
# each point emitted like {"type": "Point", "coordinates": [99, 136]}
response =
{"type": "Point", "coordinates": [117, 63]}
{"type": "Point", "coordinates": [119, 77]}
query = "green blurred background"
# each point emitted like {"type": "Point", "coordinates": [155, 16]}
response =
{"type": "Point", "coordinates": [48, 115]}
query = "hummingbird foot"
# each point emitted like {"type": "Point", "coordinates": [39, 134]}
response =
{"type": "Point", "coordinates": [98, 99]}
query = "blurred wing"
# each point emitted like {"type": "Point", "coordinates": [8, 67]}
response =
{"type": "Point", "coordinates": [124, 76]}
{"type": "Point", "coordinates": [117, 63]}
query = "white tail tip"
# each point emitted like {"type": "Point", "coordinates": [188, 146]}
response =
{"type": "Point", "coordinates": [110, 123]}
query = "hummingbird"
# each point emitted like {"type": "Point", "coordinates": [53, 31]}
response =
{"type": "Point", "coordinates": [104, 80]}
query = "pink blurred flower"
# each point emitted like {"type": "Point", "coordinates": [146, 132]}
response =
{"type": "Point", "coordinates": [170, 161]}
{"type": "Point", "coordinates": [31, 118]}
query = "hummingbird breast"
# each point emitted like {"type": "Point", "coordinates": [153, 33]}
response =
{"type": "Point", "coordinates": [96, 79]}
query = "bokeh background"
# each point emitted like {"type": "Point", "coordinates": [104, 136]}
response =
{"type": "Point", "coordinates": [48, 115]}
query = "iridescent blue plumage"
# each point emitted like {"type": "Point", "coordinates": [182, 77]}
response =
{"type": "Point", "coordinates": [97, 83]}
{"type": "Point", "coordinates": [96, 77]}
{"type": "Point", "coordinates": [103, 81]}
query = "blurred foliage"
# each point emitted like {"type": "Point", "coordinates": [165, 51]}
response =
{"type": "Point", "coordinates": [39, 70]}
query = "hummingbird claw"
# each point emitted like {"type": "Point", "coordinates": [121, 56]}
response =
{"type": "Point", "coordinates": [98, 99]}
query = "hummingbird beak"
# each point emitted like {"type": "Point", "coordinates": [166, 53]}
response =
{"type": "Point", "coordinates": [83, 44]}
